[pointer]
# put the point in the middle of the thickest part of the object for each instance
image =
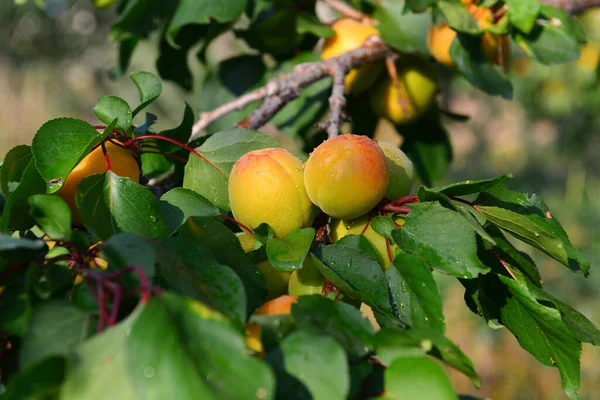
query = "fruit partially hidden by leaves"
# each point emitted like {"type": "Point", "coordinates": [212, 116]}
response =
{"type": "Point", "coordinates": [496, 48]}
{"type": "Point", "coordinates": [267, 186]}
{"type": "Point", "coordinates": [280, 306]}
{"type": "Point", "coordinates": [362, 226]}
{"type": "Point", "coordinates": [346, 176]}
{"type": "Point", "coordinates": [412, 95]}
{"type": "Point", "coordinates": [402, 171]}
{"type": "Point", "coordinates": [306, 280]}
{"type": "Point", "coordinates": [277, 280]}
{"type": "Point", "coordinates": [122, 163]}
{"type": "Point", "coordinates": [350, 35]}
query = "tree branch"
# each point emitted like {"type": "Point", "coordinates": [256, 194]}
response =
{"type": "Point", "coordinates": [337, 100]}
{"type": "Point", "coordinates": [572, 6]}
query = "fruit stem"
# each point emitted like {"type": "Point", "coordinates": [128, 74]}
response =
{"type": "Point", "coordinates": [175, 142]}
{"type": "Point", "coordinates": [244, 227]}
{"type": "Point", "coordinates": [106, 157]}
{"type": "Point", "coordinates": [389, 250]}
{"type": "Point", "coordinates": [503, 263]}
{"type": "Point", "coordinates": [392, 208]}
{"type": "Point", "coordinates": [469, 203]}
{"type": "Point", "coordinates": [405, 200]}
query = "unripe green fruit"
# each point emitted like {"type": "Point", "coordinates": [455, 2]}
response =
{"type": "Point", "coordinates": [306, 280]}
{"type": "Point", "coordinates": [346, 176]}
{"type": "Point", "coordinates": [341, 228]}
{"type": "Point", "coordinates": [268, 186]}
{"type": "Point", "coordinates": [402, 171]}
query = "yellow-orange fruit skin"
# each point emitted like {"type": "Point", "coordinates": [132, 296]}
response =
{"type": "Point", "coordinates": [402, 171]}
{"type": "Point", "coordinates": [267, 186]}
{"type": "Point", "coordinates": [122, 163]}
{"type": "Point", "coordinates": [306, 280]}
{"type": "Point", "coordinates": [412, 97]}
{"type": "Point", "coordinates": [496, 48]}
{"type": "Point", "coordinates": [346, 176]}
{"type": "Point", "coordinates": [341, 228]}
{"type": "Point", "coordinates": [280, 306]}
{"type": "Point", "coordinates": [350, 35]}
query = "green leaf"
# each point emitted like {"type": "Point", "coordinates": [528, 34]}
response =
{"type": "Point", "coordinates": [384, 226]}
{"type": "Point", "coordinates": [109, 204]}
{"type": "Point", "coordinates": [180, 349]}
{"type": "Point", "coordinates": [303, 351]}
{"type": "Point", "coordinates": [569, 22]}
{"type": "Point", "coordinates": [541, 331]}
{"type": "Point", "coordinates": [529, 219]}
{"type": "Point", "coordinates": [15, 215]}
{"type": "Point", "coordinates": [403, 31]}
{"type": "Point", "coordinates": [202, 12]}
{"type": "Point", "coordinates": [549, 44]}
{"type": "Point", "coordinates": [55, 328]}
{"type": "Point", "coordinates": [416, 293]}
{"type": "Point", "coordinates": [59, 145]}
{"type": "Point", "coordinates": [18, 250]}
{"type": "Point", "coordinates": [227, 249]}
{"type": "Point", "coordinates": [109, 108]}
{"type": "Point", "coordinates": [127, 249]}
{"type": "Point", "coordinates": [149, 87]}
{"type": "Point", "coordinates": [226, 147]}
{"type": "Point", "coordinates": [207, 180]}
{"type": "Point", "coordinates": [343, 322]}
{"type": "Point", "coordinates": [472, 186]}
{"type": "Point", "coordinates": [125, 53]}
{"type": "Point", "coordinates": [13, 168]}
{"type": "Point", "coordinates": [289, 253]}
{"type": "Point", "coordinates": [52, 215]}
{"type": "Point", "coordinates": [98, 367]}
{"type": "Point", "coordinates": [417, 378]}
{"type": "Point", "coordinates": [191, 269]}
{"type": "Point", "coordinates": [38, 381]}
{"type": "Point", "coordinates": [178, 204]}
{"type": "Point", "coordinates": [472, 62]}
{"type": "Point", "coordinates": [442, 238]}
{"type": "Point", "coordinates": [458, 17]}
{"type": "Point", "coordinates": [309, 23]}
{"type": "Point", "coordinates": [522, 13]}
{"type": "Point", "coordinates": [361, 243]}
{"type": "Point", "coordinates": [357, 274]}
{"type": "Point", "coordinates": [172, 64]}
{"type": "Point", "coordinates": [181, 133]}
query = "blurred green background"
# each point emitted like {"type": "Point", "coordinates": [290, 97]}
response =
{"type": "Point", "coordinates": [56, 62]}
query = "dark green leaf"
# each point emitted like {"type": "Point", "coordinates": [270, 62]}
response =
{"type": "Point", "coordinates": [126, 249]}
{"type": "Point", "coordinates": [149, 87]}
{"type": "Point", "coordinates": [38, 381]}
{"type": "Point", "coordinates": [52, 215]}
{"type": "Point", "coordinates": [15, 250]}
{"type": "Point", "coordinates": [289, 253]}
{"type": "Point", "coordinates": [303, 351]}
{"type": "Point", "coordinates": [177, 205]}
{"type": "Point", "coordinates": [529, 219]}
{"type": "Point", "coordinates": [472, 186]}
{"type": "Point", "coordinates": [522, 13]}
{"type": "Point", "coordinates": [109, 108]}
{"type": "Point", "coordinates": [361, 243]}
{"type": "Point", "coordinates": [172, 64]}
{"type": "Point", "coordinates": [417, 378]}
{"type": "Point", "coordinates": [442, 238]}
{"type": "Point", "coordinates": [180, 133]}
{"type": "Point", "coordinates": [570, 23]}
{"type": "Point", "coordinates": [13, 168]}
{"type": "Point", "coordinates": [403, 31]}
{"type": "Point", "coordinates": [549, 44]}
{"type": "Point", "coordinates": [55, 328]}
{"type": "Point", "coordinates": [472, 62]}
{"type": "Point", "coordinates": [339, 320]}
{"type": "Point", "coordinates": [309, 23]}
{"type": "Point", "coordinates": [59, 145]}
{"type": "Point", "coordinates": [458, 17]}
{"type": "Point", "coordinates": [180, 349]}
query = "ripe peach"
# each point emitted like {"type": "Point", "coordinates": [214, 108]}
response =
{"type": "Point", "coordinates": [346, 176]}
{"type": "Point", "coordinates": [122, 162]}
{"type": "Point", "coordinates": [306, 280]}
{"type": "Point", "coordinates": [280, 306]}
{"type": "Point", "coordinates": [268, 186]}
{"type": "Point", "coordinates": [350, 35]}
{"type": "Point", "coordinates": [341, 228]}
{"type": "Point", "coordinates": [412, 97]}
{"type": "Point", "coordinates": [402, 171]}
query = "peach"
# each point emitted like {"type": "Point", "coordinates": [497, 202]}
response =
{"type": "Point", "coordinates": [350, 35]}
{"type": "Point", "coordinates": [280, 306]}
{"type": "Point", "coordinates": [306, 280]}
{"type": "Point", "coordinates": [346, 176]}
{"type": "Point", "coordinates": [267, 186]}
{"type": "Point", "coordinates": [122, 162]}
{"type": "Point", "coordinates": [402, 171]}
{"type": "Point", "coordinates": [412, 97]}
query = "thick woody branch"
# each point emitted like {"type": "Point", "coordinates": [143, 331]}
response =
{"type": "Point", "coordinates": [350, 12]}
{"type": "Point", "coordinates": [572, 6]}
{"type": "Point", "coordinates": [291, 85]}
{"type": "Point", "coordinates": [337, 100]}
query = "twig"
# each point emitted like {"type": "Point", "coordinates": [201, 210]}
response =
{"type": "Point", "coordinates": [403, 97]}
{"type": "Point", "coordinates": [291, 85]}
{"type": "Point", "coordinates": [206, 118]}
{"type": "Point", "coordinates": [572, 6]}
{"type": "Point", "coordinates": [350, 12]}
{"type": "Point", "coordinates": [337, 100]}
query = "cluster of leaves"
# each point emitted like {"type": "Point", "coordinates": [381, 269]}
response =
{"type": "Point", "coordinates": [179, 289]}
